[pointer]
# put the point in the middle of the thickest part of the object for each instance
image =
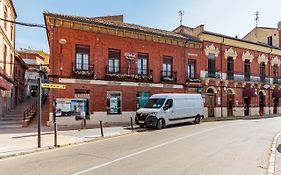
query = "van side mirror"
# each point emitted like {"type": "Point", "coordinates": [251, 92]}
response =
{"type": "Point", "coordinates": [165, 108]}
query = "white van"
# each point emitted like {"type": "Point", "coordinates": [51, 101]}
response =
{"type": "Point", "coordinates": [165, 109]}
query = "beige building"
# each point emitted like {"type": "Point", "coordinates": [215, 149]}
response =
{"type": "Point", "coordinates": [7, 53]}
{"type": "Point", "coordinates": [264, 35]}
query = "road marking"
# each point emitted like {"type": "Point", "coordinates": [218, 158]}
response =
{"type": "Point", "coordinates": [151, 148]}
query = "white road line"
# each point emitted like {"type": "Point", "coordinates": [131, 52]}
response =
{"type": "Point", "coordinates": [151, 148]}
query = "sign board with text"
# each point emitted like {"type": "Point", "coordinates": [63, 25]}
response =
{"type": "Point", "coordinates": [53, 86]}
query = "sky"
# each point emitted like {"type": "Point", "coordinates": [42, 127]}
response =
{"type": "Point", "coordinates": [228, 17]}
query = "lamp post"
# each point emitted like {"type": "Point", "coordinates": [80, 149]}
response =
{"type": "Point", "coordinates": [61, 42]}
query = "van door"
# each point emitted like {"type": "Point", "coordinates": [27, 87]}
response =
{"type": "Point", "coordinates": [169, 110]}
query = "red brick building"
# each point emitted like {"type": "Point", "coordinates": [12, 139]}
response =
{"type": "Point", "coordinates": [19, 80]}
{"type": "Point", "coordinates": [239, 77]}
{"type": "Point", "coordinates": [110, 68]}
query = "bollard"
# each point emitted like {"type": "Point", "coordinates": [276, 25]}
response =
{"type": "Point", "coordinates": [56, 134]}
{"type": "Point", "coordinates": [132, 125]}
{"type": "Point", "coordinates": [101, 129]}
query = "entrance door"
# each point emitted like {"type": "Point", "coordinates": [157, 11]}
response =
{"type": "Point", "coordinates": [261, 102]}
{"type": "Point", "coordinates": [246, 105]}
{"type": "Point", "coordinates": [230, 102]}
{"type": "Point", "coordinates": [275, 105]}
{"type": "Point", "coordinates": [211, 103]}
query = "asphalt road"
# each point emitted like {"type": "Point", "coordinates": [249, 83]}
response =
{"type": "Point", "coordinates": [213, 148]}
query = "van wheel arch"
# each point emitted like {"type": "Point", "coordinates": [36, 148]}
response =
{"type": "Point", "coordinates": [160, 124]}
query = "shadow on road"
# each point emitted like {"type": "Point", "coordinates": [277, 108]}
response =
{"type": "Point", "coordinates": [279, 148]}
{"type": "Point", "coordinates": [152, 129]}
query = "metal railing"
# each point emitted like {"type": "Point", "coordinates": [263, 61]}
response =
{"type": "Point", "coordinates": [118, 73]}
{"type": "Point", "coordinates": [83, 70]}
{"type": "Point", "coordinates": [169, 76]}
{"type": "Point", "coordinates": [30, 112]}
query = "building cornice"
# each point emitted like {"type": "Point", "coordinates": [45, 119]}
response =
{"type": "Point", "coordinates": [65, 23]}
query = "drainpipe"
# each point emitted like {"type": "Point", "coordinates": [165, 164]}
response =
{"type": "Point", "coordinates": [185, 71]}
{"type": "Point", "coordinates": [221, 74]}
{"type": "Point", "coordinates": [269, 74]}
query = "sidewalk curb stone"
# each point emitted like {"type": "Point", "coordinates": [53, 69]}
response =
{"type": "Point", "coordinates": [271, 162]}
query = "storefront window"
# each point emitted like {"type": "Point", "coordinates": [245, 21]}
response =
{"type": "Point", "coordinates": [114, 103]}
{"type": "Point", "coordinates": [142, 99]}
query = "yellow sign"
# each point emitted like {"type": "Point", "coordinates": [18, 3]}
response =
{"type": "Point", "coordinates": [53, 86]}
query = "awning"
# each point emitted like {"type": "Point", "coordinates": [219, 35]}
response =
{"type": "Point", "coordinates": [250, 92]}
{"type": "Point", "coordinates": [276, 93]}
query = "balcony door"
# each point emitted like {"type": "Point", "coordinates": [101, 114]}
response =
{"type": "Point", "coordinates": [114, 61]}
{"type": "Point", "coordinates": [167, 67]}
{"type": "Point", "coordinates": [82, 58]}
{"type": "Point", "coordinates": [142, 64]}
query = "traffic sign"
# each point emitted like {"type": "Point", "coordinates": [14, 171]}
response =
{"type": "Point", "coordinates": [53, 86]}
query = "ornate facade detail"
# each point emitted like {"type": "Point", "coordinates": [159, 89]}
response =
{"type": "Point", "coordinates": [230, 53]}
{"type": "Point", "coordinates": [247, 56]}
{"type": "Point", "coordinates": [275, 61]}
{"type": "Point", "coordinates": [262, 58]}
{"type": "Point", "coordinates": [211, 49]}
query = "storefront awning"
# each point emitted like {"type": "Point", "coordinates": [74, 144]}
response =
{"type": "Point", "coordinates": [276, 93]}
{"type": "Point", "coordinates": [250, 92]}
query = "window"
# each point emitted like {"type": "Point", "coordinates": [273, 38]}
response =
{"type": "Point", "coordinates": [142, 64]}
{"type": "Point", "coordinates": [262, 72]}
{"type": "Point", "coordinates": [211, 65]}
{"type": "Point", "coordinates": [114, 61]}
{"type": "Point", "coordinates": [5, 59]}
{"type": "Point", "coordinates": [230, 68]}
{"type": "Point", "coordinates": [82, 58]}
{"type": "Point", "coordinates": [142, 99]}
{"type": "Point", "coordinates": [247, 69]}
{"type": "Point", "coordinates": [167, 67]}
{"type": "Point", "coordinates": [269, 40]}
{"type": "Point", "coordinates": [191, 69]}
{"type": "Point", "coordinates": [114, 103]}
{"type": "Point", "coordinates": [169, 104]}
{"type": "Point", "coordinates": [275, 73]}
{"type": "Point", "coordinates": [5, 17]}
{"type": "Point", "coordinates": [12, 32]}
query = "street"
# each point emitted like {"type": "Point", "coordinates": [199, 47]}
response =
{"type": "Point", "coordinates": [211, 148]}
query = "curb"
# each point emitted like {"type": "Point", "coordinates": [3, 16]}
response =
{"type": "Point", "coordinates": [271, 162]}
{"type": "Point", "coordinates": [46, 148]}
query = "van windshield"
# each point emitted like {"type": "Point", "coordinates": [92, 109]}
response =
{"type": "Point", "coordinates": [154, 103]}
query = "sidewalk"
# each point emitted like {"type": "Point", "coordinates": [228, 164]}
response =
{"type": "Point", "coordinates": [278, 158]}
{"type": "Point", "coordinates": [24, 140]}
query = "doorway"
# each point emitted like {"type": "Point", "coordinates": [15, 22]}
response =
{"type": "Point", "coordinates": [246, 105]}
{"type": "Point", "coordinates": [275, 105]}
{"type": "Point", "coordinates": [261, 102]}
{"type": "Point", "coordinates": [210, 102]}
{"type": "Point", "coordinates": [230, 103]}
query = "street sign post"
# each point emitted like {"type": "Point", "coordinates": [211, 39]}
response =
{"type": "Point", "coordinates": [53, 86]}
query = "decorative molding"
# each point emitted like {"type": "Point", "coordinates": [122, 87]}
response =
{"type": "Point", "coordinates": [262, 58]}
{"type": "Point", "coordinates": [230, 53]}
{"type": "Point", "coordinates": [276, 61]}
{"type": "Point", "coordinates": [247, 56]}
{"type": "Point", "coordinates": [211, 49]}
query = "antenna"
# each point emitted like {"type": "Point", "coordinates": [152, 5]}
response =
{"type": "Point", "coordinates": [257, 18]}
{"type": "Point", "coordinates": [181, 13]}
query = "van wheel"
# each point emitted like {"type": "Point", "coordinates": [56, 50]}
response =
{"type": "Point", "coordinates": [160, 124]}
{"type": "Point", "coordinates": [197, 119]}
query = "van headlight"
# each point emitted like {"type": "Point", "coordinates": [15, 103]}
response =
{"type": "Point", "coordinates": [153, 113]}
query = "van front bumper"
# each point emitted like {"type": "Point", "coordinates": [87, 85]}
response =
{"type": "Point", "coordinates": [150, 121]}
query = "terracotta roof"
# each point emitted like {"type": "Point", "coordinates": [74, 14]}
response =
{"type": "Point", "coordinates": [122, 25]}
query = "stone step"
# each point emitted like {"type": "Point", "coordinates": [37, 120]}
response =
{"type": "Point", "coordinates": [10, 118]}
{"type": "Point", "coordinates": [10, 122]}
{"type": "Point", "coordinates": [11, 126]}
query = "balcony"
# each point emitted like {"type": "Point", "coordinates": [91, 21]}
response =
{"type": "Point", "coordinates": [126, 74]}
{"type": "Point", "coordinates": [87, 71]}
{"type": "Point", "coordinates": [169, 76]}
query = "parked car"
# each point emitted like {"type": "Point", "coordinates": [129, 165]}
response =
{"type": "Point", "coordinates": [165, 109]}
